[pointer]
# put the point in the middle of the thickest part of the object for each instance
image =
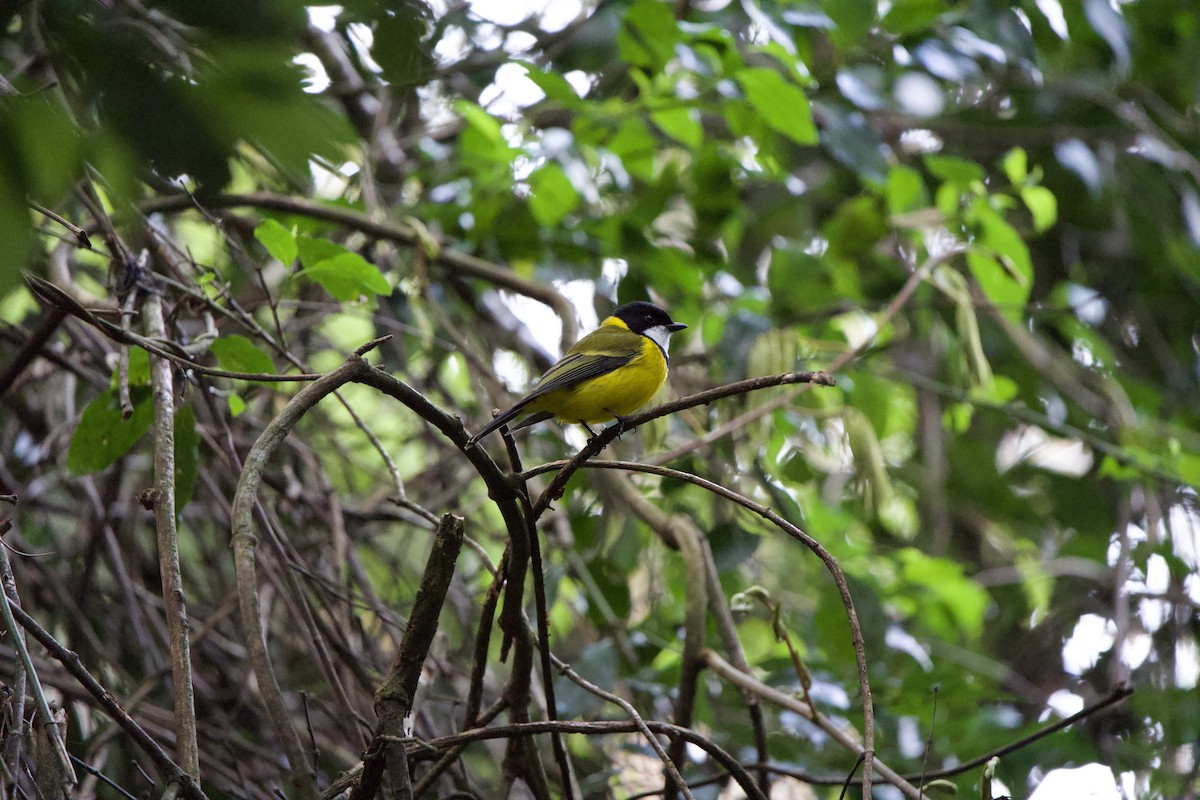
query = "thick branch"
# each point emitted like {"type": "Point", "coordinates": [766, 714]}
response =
{"type": "Point", "coordinates": [394, 699]}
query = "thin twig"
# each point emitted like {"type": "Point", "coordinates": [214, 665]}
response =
{"type": "Point", "coordinates": [784, 700]}
{"type": "Point", "coordinates": [9, 609]}
{"type": "Point", "coordinates": [723, 758]}
{"type": "Point", "coordinates": [606, 436]}
{"type": "Point", "coordinates": [167, 534]}
{"type": "Point", "coordinates": [11, 752]}
{"type": "Point", "coordinates": [170, 770]}
{"type": "Point", "coordinates": [845, 357]}
{"type": "Point", "coordinates": [787, 527]}
{"type": "Point", "coordinates": [542, 617]}
{"type": "Point", "coordinates": [672, 771]}
{"type": "Point", "coordinates": [81, 235]}
{"type": "Point", "coordinates": [928, 744]}
{"type": "Point", "coordinates": [31, 349]}
{"type": "Point", "coordinates": [464, 263]}
{"type": "Point", "coordinates": [52, 296]}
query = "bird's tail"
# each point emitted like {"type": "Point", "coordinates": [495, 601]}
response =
{"type": "Point", "coordinates": [495, 424]}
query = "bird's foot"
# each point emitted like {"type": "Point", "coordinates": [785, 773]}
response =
{"type": "Point", "coordinates": [619, 424]}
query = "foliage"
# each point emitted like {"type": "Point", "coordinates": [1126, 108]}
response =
{"type": "Point", "coordinates": [984, 218]}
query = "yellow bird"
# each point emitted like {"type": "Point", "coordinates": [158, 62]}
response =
{"type": "Point", "coordinates": [608, 374]}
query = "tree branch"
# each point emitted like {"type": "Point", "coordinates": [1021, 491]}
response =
{"type": "Point", "coordinates": [602, 439]}
{"type": "Point", "coordinates": [171, 771]}
{"type": "Point", "coordinates": [787, 527]}
{"type": "Point", "coordinates": [388, 231]}
{"type": "Point", "coordinates": [394, 699]}
{"type": "Point", "coordinates": [168, 542]}
{"type": "Point", "coordinates": [785, 700]}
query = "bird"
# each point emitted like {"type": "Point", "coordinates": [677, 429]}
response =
{"type": "Point", "coordinates": [607, 375]}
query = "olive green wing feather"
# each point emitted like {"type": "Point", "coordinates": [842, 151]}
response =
{"type": "Point", "coordinates": [572, 370]}
{"type": "Point", "coordinates": [575, 368]}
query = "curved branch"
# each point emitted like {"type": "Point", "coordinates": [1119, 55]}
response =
{"type": "Point", "coordinates": [500, 490]}
{"type": "Point", "coordinates": [787, 701]}
{"type": "Point", "coordinates": [356, 370]}
{"type": "Point", "coordinates": [735, 769]}
{"type": "Point", "coordinates": [787, 527]}
{"type": "Point", "coordinates": [243, 541]}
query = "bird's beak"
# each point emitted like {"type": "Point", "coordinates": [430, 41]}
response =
{"type": "Point", "coordinates": [675, 327]}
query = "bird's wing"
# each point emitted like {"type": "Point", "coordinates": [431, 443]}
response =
{"type": "Point", "coordinates": [573, 369]}
{"type": "Point", "coordinates": [577, 366]}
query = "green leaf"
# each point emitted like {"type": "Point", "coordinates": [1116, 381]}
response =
{"type": "Point", "coordinates": [852, 17]}
{"type": "Point", "coordinates": [482, 141]}
{"type": "Point", "coordinates": [997, 283]}
{"type": "Point", "coordinates": [1187, 465]}
{"type": "Point", "coordinates": [343, 273]}
{"type": "Point", "coordinates": [397, 46]}
{"type": "Point", "coordinates": [681, 124]}
{"type": "Point", "coordinates": [1042, 205]}
{"type": "Point", "coordinates": [796, 282]}
{"type": "Point", "coordinates": [905, 190]}
{"type": "Point", "coordinates": [944, 588]}
{"type": "Point", "coordinates": [732, 545]}
{"type": "Point", "coordinates": [1036, 583]}
{"type": "Point", "coordinates": [781, 104]}
{"type": "Point", "coordinates": [869, 464]}
{"type": "Point", "coordinates": [102, 436]}
{"type": "Point", "coordinates": [1006, 242]}
{"type": "Point", "coordinates": [187, 456]}
{"type": "Point", "coordinates": [556, 87]}
{"type": "Point", "coordinates": [349, 275]}
{"type": "Point", "coordinates": [912, 16]}
{"type": "Point", "coordinates": [954, 170]}
{"type": "Point", "coordinates": [278, 240]}
{"type": "Point", "coordinates": [636, 148]}
{"type": "Point", "coordinates": [1016, 166]}
{"type": "Point", "coordinates": [553, 195]}
{"type": "Point", "coordinates": [997, 392]}
{"type": "Point", "coordinates": [139, 369]}
{"type": "Point", "coordinates": [236, 405]}
{"type": "Point", "coordinates": [236, 353]}
{"type": "Point", "coordinates": [313, 250]}
{"type": "Point", "coordinates": [648, 37]}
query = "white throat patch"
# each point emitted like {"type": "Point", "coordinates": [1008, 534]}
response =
{"type": "Point", "coordinates": [660, 336]}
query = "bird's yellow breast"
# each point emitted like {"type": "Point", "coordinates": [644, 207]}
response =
{"type": "Point", "coordinates": [616, 394]}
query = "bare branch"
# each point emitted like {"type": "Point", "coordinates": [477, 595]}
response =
{"type": "Point", "coordinates": [394, 699]}
{"type": "Point", "coordinates": [172, 772]}
{"type": "Point", "coordinates": [168, 542]}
